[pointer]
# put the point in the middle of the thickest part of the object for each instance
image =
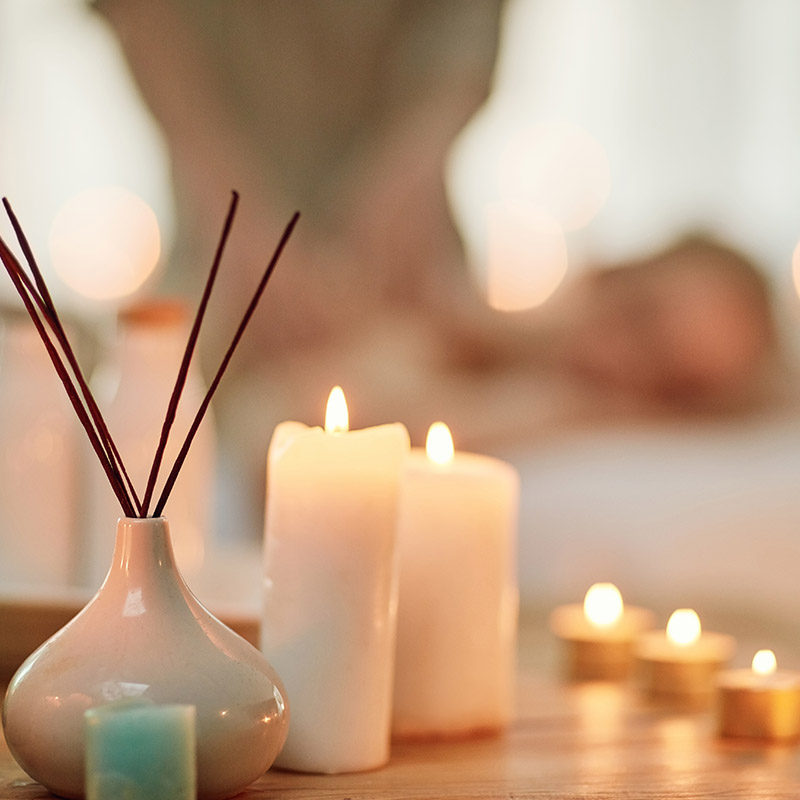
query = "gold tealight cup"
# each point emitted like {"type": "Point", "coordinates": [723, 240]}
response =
{"type": "Point", "coordinates": [761, 702]}
{"type": "Point", "coordinates": [683, 661]}
{"type": "Point", "coordinates": [598, 635]}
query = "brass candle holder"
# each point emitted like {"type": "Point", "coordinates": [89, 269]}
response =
{"type": "Point", "coordinates": [761, 702]}
{"type": "Point", "coordinates": [598, 635]}
{"type": "Point", "coordinates": [682, 661]}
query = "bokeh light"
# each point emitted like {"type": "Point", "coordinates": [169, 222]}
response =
{"type": "Point", "coordinates": [105, 243]}
{"type": "Point", "coordinates": [526, 258]}
{"type": "Point", "coordinates": [796, 268]}
{"type": "Point", "coordinates": [558, 167]}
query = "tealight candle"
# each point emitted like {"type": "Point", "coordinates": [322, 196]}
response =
{"type": "Point", "coordinates": [761, 702]}
{"type": "Point", "coordinates": [457, 614]}
{"type": "Point", "coordinates": [330, 588]}
{"type": "Point", "coordinates": [683, 660]}
{"type": "Point", "coordinates": [598, 635]}
{"type": "Point", "coordinates": [140, 751]}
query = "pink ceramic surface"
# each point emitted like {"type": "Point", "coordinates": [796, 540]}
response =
{"type": "Point", "coordinates": [145, 635]}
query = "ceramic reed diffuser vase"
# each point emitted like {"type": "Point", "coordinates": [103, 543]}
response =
{"type": "Point", "coordinates": [144, 637]}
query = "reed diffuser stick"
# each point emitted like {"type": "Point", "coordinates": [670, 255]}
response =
{"type": "Point", "coordinates": [223, 366]}
{"type": "Point", "coordinates": [38, 303]}
{"type": "Point", "coordinates": [183, 371]}
{"type": "Point", "coordinates": [31, 299]}
{"type": "Point", "coordinates": [55, 323]}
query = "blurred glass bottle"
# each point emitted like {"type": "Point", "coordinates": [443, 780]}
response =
{"type": "Point", "coordinates": [38, 466]}
{"type": "Point", "coordinates": [133, 387]}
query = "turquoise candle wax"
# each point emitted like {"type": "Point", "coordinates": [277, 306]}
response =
{"type": "Point", "coordinates": [140, 752]}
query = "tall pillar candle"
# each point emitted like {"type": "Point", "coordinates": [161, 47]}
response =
{"type": "Point", "coordinates": [330, 588]}
{"type": "Point", "coordinates": [457, 615]}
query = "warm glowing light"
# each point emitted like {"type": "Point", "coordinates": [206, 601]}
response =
{"type": "Point", "coordinates": [439, 444]}
{"type": "Point", "coordinates": [796, 268]}
{"type": "Point", "coordinates": [558, 167]}
{"type": "Point", "coordinates": [526, 256]}
{"type": "Point", "coordinates": [336, 416]}
{"type": "Point", "coordinates": [764, 662]}
{"type": "Point", "coordinates": [603, 604]}
{"type": "Point", "coordinates": [105, 243]}
{"type": "Point", "coordinates": [683, 627]}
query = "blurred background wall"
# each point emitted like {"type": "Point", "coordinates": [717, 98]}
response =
{"type": "Point", "coordinates": [459, 166]}
{"type": "Point", "coordinates": [651, 117]}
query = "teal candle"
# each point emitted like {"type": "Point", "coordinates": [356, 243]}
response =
{"type": "Point", "coordinates": [140, 752]}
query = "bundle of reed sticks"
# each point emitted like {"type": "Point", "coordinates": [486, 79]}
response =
{"type": "Point", "coordinates": [38, 302]}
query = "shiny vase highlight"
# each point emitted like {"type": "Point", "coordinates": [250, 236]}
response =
{"type": "Point", "coordinates": [145, 635]}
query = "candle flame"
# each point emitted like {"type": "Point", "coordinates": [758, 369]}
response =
{"type": "Point", "coordinates": [336, 416]}
{"type": "Point", "coordinates": [439, 444]}
{"type": "Point", "coordinates": [603, 605]}
{"type": "Point", "coordinates": [764, 662]}
{"type": "Point", "coordinates": [683, 627]}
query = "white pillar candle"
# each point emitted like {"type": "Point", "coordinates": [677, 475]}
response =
{"type": "Point", "coordinates": [330, 589]}
{"type": "Point", "coordinates": [457, 617]}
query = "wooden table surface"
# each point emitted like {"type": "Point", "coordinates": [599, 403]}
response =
{"type": "Point", "coordinates": [568, 741]}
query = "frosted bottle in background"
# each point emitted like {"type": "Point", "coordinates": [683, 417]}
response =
{"type": "Point", "coordinates": [133, 388]}
{"type": "Point", "coordinates": [38, 465]}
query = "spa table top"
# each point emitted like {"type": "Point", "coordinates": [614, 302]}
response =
{"type": "Point", "coordinates": [568, 741]}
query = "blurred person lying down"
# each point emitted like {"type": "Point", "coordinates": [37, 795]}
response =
{"type": "Point", "coordinates": [688, 329]}
{"type": "Point", "coordinates": [691, 327]}
{"type": "Point", "coordinates": [688, 332]}
{"type": "Point", "coordinates": [347, 112]}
